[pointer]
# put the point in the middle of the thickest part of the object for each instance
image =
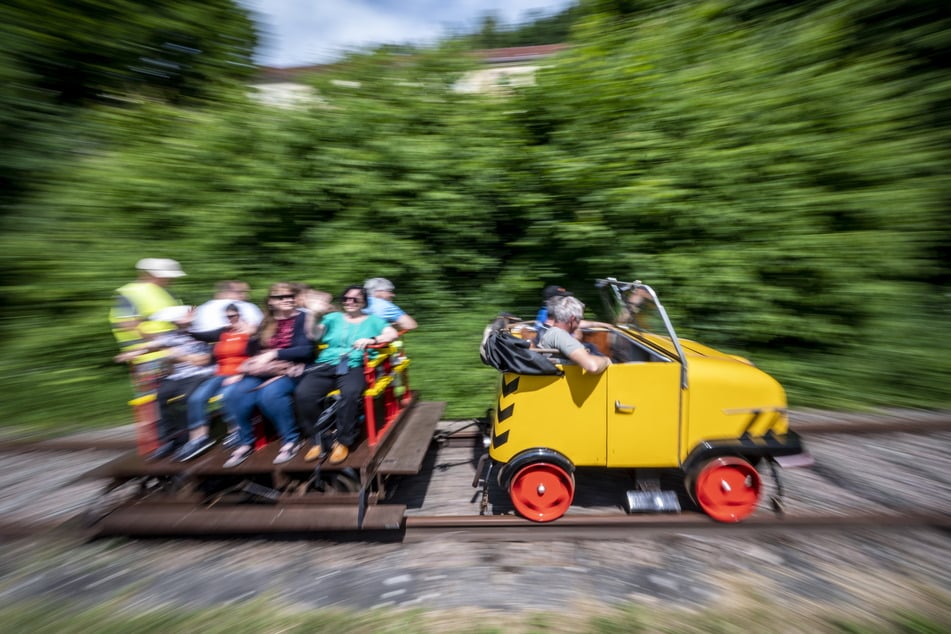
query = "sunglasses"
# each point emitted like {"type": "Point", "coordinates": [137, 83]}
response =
{"type": "Point", "coordinates": [282, 297]}
{"type": "Point", "coordinates": [348, 298]}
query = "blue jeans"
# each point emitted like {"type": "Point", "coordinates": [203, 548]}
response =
{"type": "Point", "coordinates": [198, 402]}
{"type": "Point", "coordinates": [275, 400]}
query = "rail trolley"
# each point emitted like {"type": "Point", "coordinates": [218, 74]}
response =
{"type": "Point", "coordinates": [203, 497]}
{"type": "Point", "coordinates": [689, 424]}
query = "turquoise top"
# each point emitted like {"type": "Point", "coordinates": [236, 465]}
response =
{"type": "Point", "coordinates": [339, 335]}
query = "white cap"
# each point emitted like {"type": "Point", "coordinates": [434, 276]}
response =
{"type": "Point", "coordinates": [160, 267]}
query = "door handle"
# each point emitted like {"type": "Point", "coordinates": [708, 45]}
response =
{"type": "Point", "coordinates": [622, 408]}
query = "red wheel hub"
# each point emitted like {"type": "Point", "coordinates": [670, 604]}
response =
{"type": "Point", "coordinates": [542, 492]}
{"type": "Point", "coordinates": [727, 489]}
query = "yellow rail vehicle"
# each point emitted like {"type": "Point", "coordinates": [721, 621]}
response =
{"type": "Point", "coordinates": [663, 404]}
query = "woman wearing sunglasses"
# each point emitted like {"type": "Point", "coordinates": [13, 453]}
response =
{"type": "Point", "coordinates": [282, 337]}
{"type": "Point", "coordinates": [346, 335]}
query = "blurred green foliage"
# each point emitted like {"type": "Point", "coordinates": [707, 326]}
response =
{"type": "Point", "coordinates": [777, 173]}
{"type": "Point", "coordinates": [537, 28]}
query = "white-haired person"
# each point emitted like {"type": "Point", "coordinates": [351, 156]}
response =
{"type": "Point", "coordinates": [565, 313]}
{"type": "Point", "coordinates": [381, 293]}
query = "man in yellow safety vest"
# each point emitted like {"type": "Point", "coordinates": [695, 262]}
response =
{"type": "Point", "coordinates": [135, 303]}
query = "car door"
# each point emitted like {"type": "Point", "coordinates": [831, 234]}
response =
{"type": "Point", "coordinates": [643, 414]}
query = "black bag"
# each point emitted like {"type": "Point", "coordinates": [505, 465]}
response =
{"type": "Point", "coordinates": [507, 353]}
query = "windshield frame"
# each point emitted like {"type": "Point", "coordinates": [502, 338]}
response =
{"type": "Point", "coordinates": [613, 293]}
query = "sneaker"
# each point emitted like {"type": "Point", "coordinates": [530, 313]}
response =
{"type": "Point", "coordinates": [193, 448]}
{"type": "Point", "coordinates": [339, 453]}
{"type": "Point", "coordinates": [287, 452]}
{"type": "Point", "coordinates": [164, 451]}
{"type": "Point", "coordinates": [314, 453]}
{"type": "Point", "coordinates": [233, 439]}
{"type": "Point", "coordinates": [238, 456]}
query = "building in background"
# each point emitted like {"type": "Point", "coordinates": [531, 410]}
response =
{"type": "Point", "coordinates": [503, 68]}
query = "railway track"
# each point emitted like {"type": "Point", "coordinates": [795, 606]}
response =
{"type": "Point", "coordinates": [570, 528]}
{"type": "Point", "coordinates": [622, 527]}
{"type": "Point", "coordinates": [834, 495]}
{"type": "Point", "coordinates": [509, 527]}
{"type": "Point", "coordinates": [866, 529]}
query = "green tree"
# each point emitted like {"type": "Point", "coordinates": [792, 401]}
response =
{"type": "Point", "coordinates": [780, 174]}
{"type": "Point", "coordinates": [777, 173]}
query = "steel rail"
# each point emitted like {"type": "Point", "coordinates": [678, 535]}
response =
{"type": "Point", "coordinates": [510, 527]}
{"type": "Point", "coordinates": [66, 443]}
{"type": "Point", "coordinates": [502, 527]}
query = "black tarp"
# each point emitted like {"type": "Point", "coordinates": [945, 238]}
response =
{"type": "Point", "coordinates": [507, 353]}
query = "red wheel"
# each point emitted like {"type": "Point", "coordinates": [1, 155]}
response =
{"type": "Point", "coordinates": [727, 489]}
{"type": "Point", "coordinates": [542, 492]}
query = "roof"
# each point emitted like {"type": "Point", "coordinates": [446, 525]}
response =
{"type": "Point", "coordinates": [513, 54]}
{"type": "Point", "coordinates": [519, 53]}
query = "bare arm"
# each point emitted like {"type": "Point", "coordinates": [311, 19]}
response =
{"type": "Point", "coordinates": [181, 353]}
{"type": "Point", "coordinates": [388, 335]}
{"type": "Point", "coordinates": [405, 322]}
{"type": "Point", "coordinates": [589, 362]}
{"type": "Point", "coordinates": [151, 345]}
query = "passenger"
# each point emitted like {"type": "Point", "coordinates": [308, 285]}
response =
{"type": "Point", "coordinates": [313, 302]}
{"type": "Point", "coordinates": [300, 288]}
{"type": "Point", "coordinates": [340, 365]}
{"type": "Point", "coordinates": [566, 313]}
{"type": "Point", "coordinates": [542, 320]}
{"type": "Point", "coordinates": [281, 338]}
{"type": "Point", "coordinates": [229, 352]}
{"type": "Point", "coordinates": [381, 293]}
{"type": "Point", "coordinates": [190, 362]}
{"type": "Point", "coordinates": [631, 310]}
{"type": "Point", "coordinates": [210, 316]}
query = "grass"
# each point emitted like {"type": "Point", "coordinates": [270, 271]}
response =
{"type": "Point", "coordinates": [265, 617]}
